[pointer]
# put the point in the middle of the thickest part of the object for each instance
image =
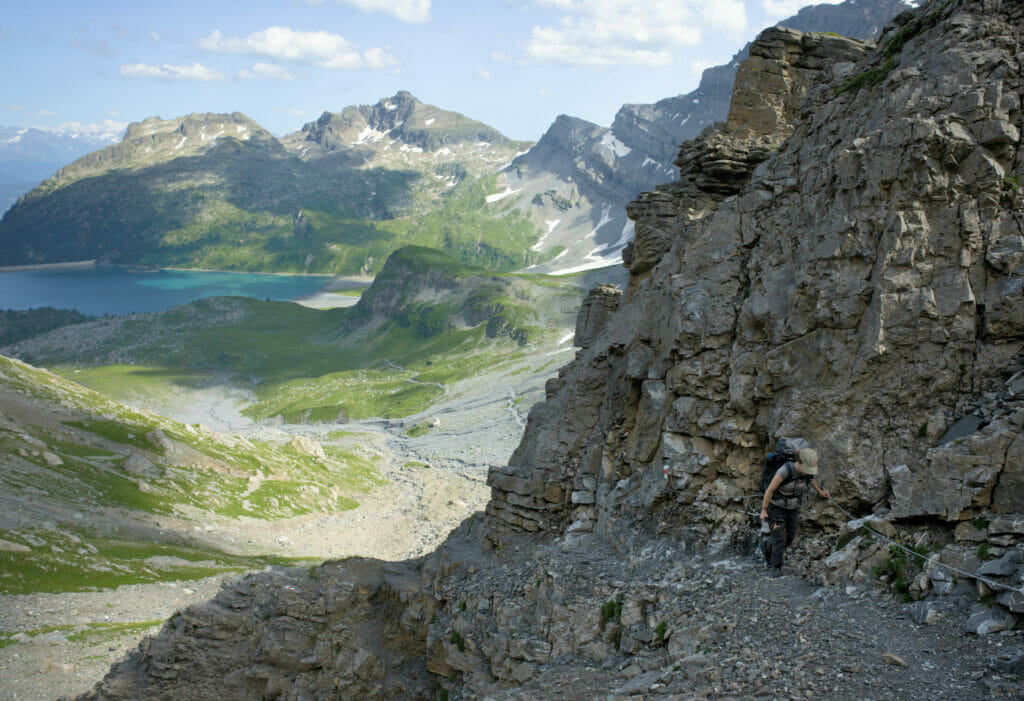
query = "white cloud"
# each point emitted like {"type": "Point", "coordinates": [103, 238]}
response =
{"type": "Point", "coordinates": [785, 8]}
{"type": "Point", "coordinates": [502, 57]}
{"type": "Point", "coordinates": [483, 73]}
{"type": "Point", "coordinates": [165, 71]}
{"type": "Point", "coordinates": [544, 92]}
{"type": "Point", "coordinates": [286, 44]}
{"type": "Point", "coordinates": [641, 32]}
{"type": "Point", "coordinates": [406, 10]}
{"type": "Point", "coordinates": [376, 57]}
{"type": "Point", "coordinates": [267, 71]}
{"type": "Point", "coordinates": [113, 113]}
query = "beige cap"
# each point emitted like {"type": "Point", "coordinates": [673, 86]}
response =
{"type": "Point", "coordinates": [809, 460]}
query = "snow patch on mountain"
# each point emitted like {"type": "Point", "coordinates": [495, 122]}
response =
{"type": "Point", "coordinates": [497, 197]}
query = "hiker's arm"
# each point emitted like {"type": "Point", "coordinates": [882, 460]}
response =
{"type": "Point", "coordinates": [821, 492]}
{"type": "Point", "coordinates": [772, 486]}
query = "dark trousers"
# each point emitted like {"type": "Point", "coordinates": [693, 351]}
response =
{"type": "Point", "coordinates": [783, 529]}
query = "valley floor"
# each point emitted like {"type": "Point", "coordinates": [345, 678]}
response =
{"type": "Point", "coordinates": [61, 644]}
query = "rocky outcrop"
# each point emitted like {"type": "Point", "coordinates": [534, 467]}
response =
{"type": "Point", "coordinates": [769, 91]}
{"type": "Point", "coordinates": [845, 294]}
{"type": "Point", "coordinates": [657, 129]}
{"type": "Point", "coordinates": [355, 629]}
{"type": "Point", "coordinates": [580, 176]}
{"type": "Point", "coordinates": [601, 302]}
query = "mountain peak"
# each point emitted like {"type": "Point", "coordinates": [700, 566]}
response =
{"type": "Point", "coordinates": [401, 117]}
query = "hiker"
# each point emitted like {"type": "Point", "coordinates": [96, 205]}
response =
{"type": "Point", "coordinates": [782, 500]}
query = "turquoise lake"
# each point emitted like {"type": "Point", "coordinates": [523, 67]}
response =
{"type": "Point", "coordinates": [108, 290]}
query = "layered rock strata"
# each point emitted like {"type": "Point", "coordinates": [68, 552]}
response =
{"type": "Point", "coordinates": [865, 281]}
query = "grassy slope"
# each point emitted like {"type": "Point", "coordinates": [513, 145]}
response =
{"type": "Point", "coordinates": [88, 522]}
{"type": "Point", "coordinates": [236, 207]}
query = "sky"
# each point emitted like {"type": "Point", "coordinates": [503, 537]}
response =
{"type": "Point", "coordinates": [513, 64]}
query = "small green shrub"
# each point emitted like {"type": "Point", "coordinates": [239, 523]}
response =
{"type": "Point", "coordinates": [895, 570]}
{"type": "Point", "coordinates": [456, 639]}
{"type": "Point", "coordinates": [420, 429]}
{"type": "Point", "coordinates": [611, 611]}
{"type": "Point", "coordinates": [1012, 182]}
{"type": "Point", "coordinates": [868, 78]}
{"type": "Point", "coordinates": [980, 523]}
{"type": "Point", "coordinates": [660, 637]}
{"type": "Point", "coordinates": [985, 552]}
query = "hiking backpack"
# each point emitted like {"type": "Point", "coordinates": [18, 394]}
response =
{"type": "Point", "coordinates": [786, 450]}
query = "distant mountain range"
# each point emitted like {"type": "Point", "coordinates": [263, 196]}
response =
{"type": "Point", "coordinates": [28, 156]}
{"type": "Point", "coordinates": [218, 191]}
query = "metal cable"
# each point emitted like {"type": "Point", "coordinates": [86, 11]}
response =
{"type": "Point", "coordinates": [992, 584]}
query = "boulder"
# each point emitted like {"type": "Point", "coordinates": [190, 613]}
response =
{"type": "Point", "coordinates": [1002, 567]}
{"type": "Point", "coordinates": [923, 612]}
{"type": "Point", "coordinates": [140, 466]}
{"type": "Point", "coordinates": [308, 446]}
{"type": "Point", "coordinates": [984, 621]}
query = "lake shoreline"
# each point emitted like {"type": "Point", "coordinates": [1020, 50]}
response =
{"type": "Point", "coordinates": [118, 290]}
{"type": "Point", "coordinates": [82, 264]}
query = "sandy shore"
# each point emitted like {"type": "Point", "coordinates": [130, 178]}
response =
{"type": "Point", "coordinates": [73, 265]}
{"type": "Point", "coordinates": [328, 297]}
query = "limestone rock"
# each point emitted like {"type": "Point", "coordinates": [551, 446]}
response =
{"type": "Point", "coordinates": [308, 446]}
{"type": "Point", "coordinates": [8, 546]}
{"type": "Point", "coordinates": [140, 466]}
{"type": "Point", "coordinates": [984, 621]}
{"type": "Point", "coordinates": [602, 301]}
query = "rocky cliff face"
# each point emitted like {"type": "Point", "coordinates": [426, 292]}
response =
{"type": "Point", "coordinates": [863, 286]}
{"type": "Point", "coordinates": [852, 274]}
{"type": "Point", "coordinates": [594, 171]}
{"type": "Point", "coordinates": [657, 129]}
